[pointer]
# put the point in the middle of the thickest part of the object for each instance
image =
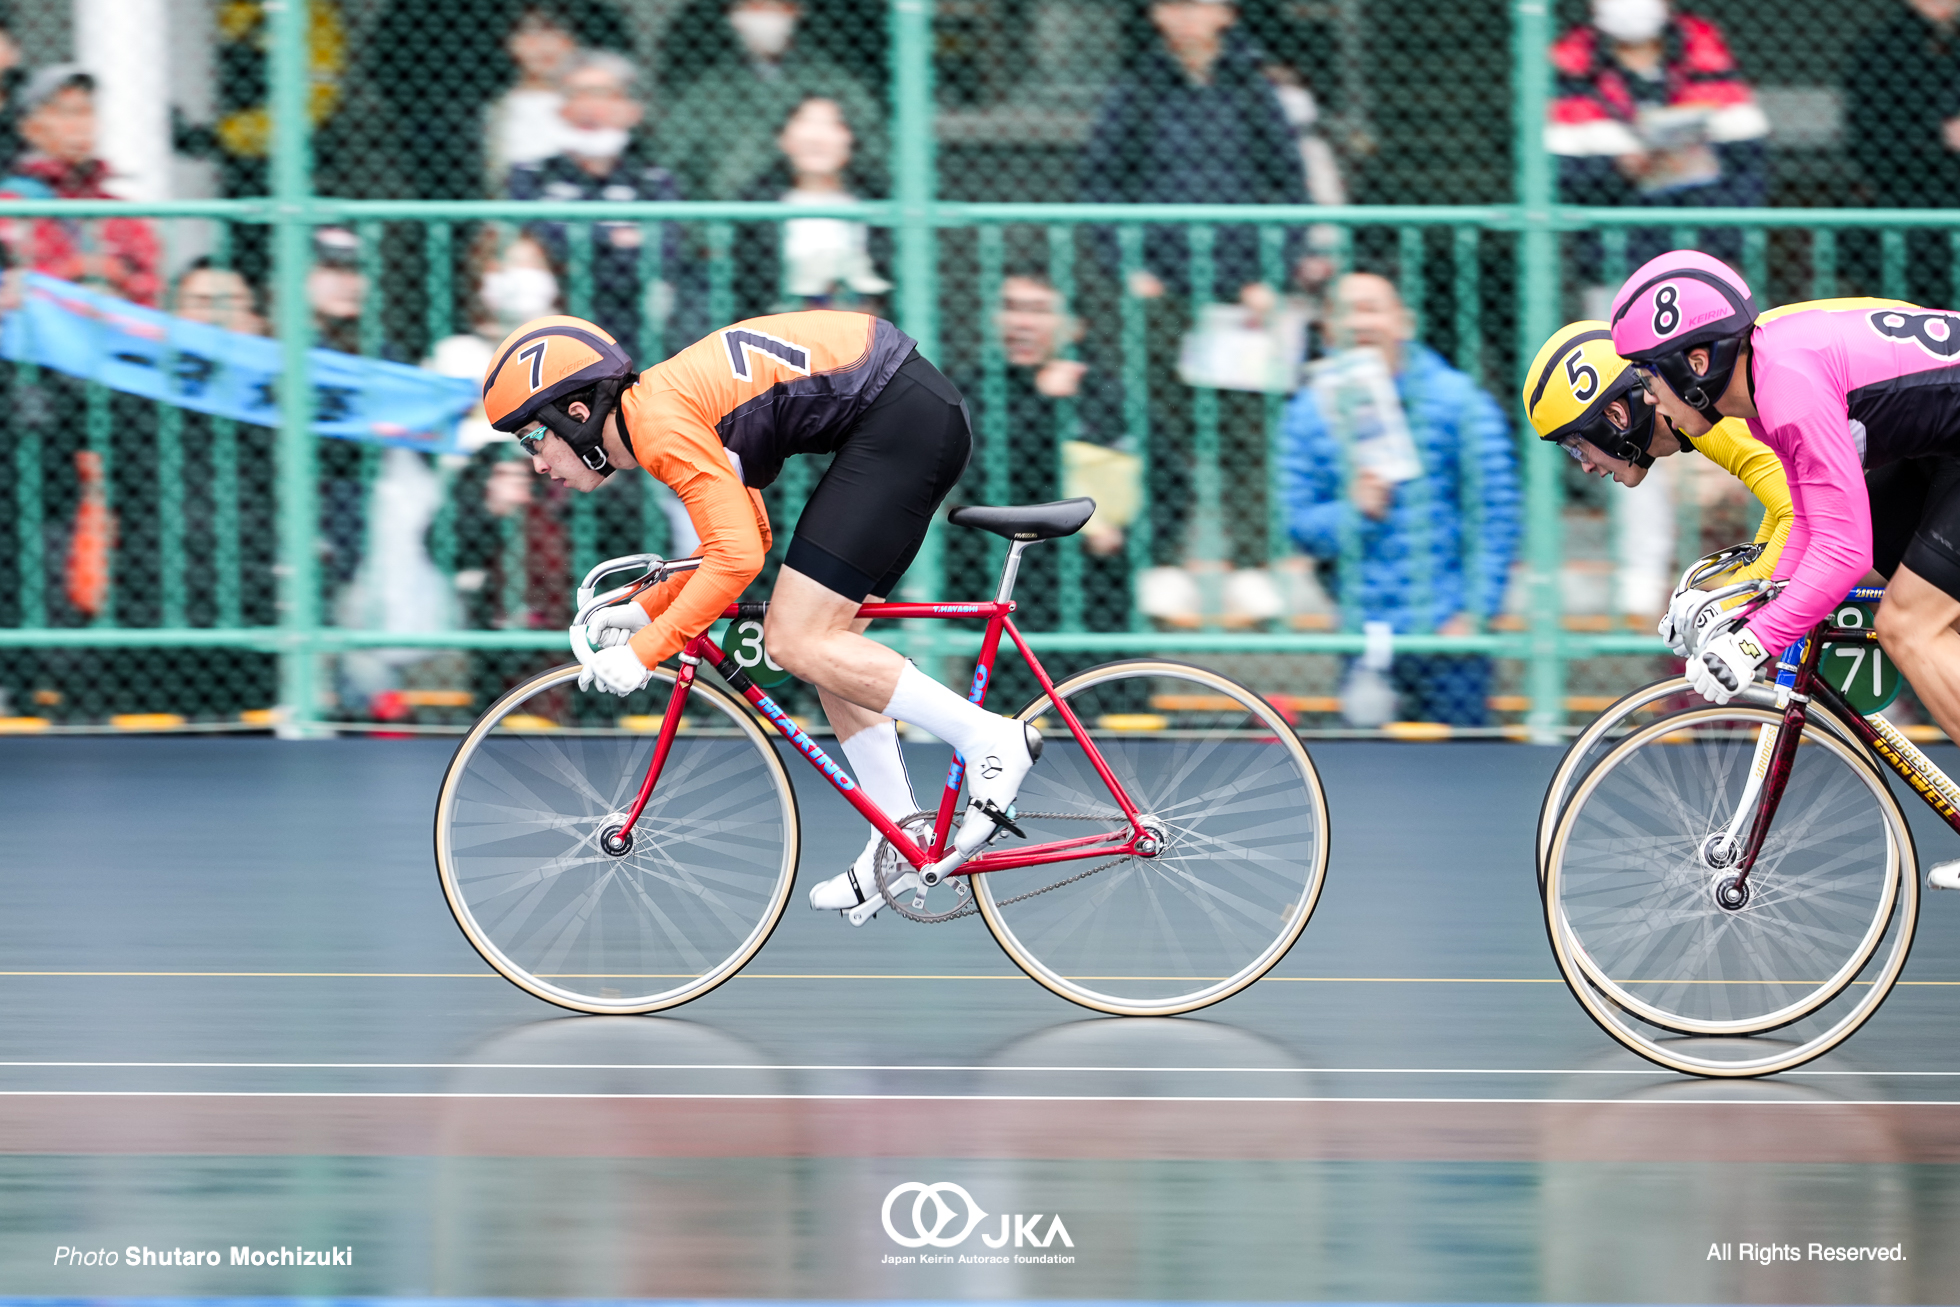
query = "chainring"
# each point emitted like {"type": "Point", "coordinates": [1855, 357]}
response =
{"type": "Point", "coordinates": [953, 896]}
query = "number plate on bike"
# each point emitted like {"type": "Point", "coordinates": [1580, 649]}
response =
{"type": "Point", "coordinates": [742, 641]}
{"type": "Point", "coordinates": [1860, 672]}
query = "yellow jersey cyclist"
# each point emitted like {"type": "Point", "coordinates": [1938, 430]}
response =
{"type": "Point", "coordinates": [1581, 395]}
{"type": "Point", "coordinates": [716, 422]}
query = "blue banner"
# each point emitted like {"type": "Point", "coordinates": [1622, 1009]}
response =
{"type": "Point", "coordinates": [140, 351]}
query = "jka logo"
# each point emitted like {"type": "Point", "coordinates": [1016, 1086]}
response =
{"type": "Point", "coordinates": [934, 1218]}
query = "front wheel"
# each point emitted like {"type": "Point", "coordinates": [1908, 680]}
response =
{"type": "Point", "coordinates": [1655, 953]}
{"type": "Point", "coordinates": [1221, 777]}
{"type": "Point", "coordinates": [528, 800]}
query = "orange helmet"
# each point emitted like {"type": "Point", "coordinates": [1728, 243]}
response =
{"type": "Point", "coordinates": [545, 362]}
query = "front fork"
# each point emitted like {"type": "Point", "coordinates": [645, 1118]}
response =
{"type": "Point", "coordinates": [618, 840]}
{"type": "Point", "coordinates": [1769, 776]}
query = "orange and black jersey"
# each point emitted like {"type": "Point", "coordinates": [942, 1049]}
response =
{"type": "Point", "coordinates": [717, 420]}
{"type": "Point", "coordinates": [791, 383]}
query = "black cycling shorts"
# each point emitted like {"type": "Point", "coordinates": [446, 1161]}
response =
{"type": "Point", "coordinates": [868, 515]}
{"type": "Point", "coordinates": [1916, 519]}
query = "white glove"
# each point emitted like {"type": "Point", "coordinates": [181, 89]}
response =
{"type": "Point", "coordinates": [615, 625]}
{"type": "Point", "coordinates": [1673, 627]}
{"type": "Point", "coordinates": [1725, 664]}
{"type": "Point", "coordinates": [616, 671]}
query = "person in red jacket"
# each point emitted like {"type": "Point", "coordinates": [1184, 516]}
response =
{"type": "Point", "coordinates": [1652, 110]}
{"type": "Point", "coordinates": [120, 255]}
{"type": "Point", "coordinates": [716, 422]}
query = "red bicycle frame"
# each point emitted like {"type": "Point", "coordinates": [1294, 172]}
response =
{"type": "Point", "coordinates": [999, 615]}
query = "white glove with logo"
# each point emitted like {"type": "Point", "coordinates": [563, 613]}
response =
{"type": "Point", "coordinates": [615, 626]}
{"type": "Point", "coordinates": [1674, 623]}
{"type": "Point", "coordinates": [1720, 668]}
{"type": "Point", "coordinates": [616, 671]}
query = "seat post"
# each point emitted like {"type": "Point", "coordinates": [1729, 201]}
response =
{"type": "Point", "coordinates": [1009, 570]}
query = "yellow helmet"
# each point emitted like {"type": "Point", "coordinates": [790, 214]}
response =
{"type": "Point", "coordinates": [1575, 376]}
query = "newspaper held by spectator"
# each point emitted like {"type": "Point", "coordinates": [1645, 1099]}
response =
{"type": "Point", "coordinates": [1677, 137]}
{"type": "Point", "coordinates": [1357, 395]}
{"type": "Point", "coordinates": [1233, 348]}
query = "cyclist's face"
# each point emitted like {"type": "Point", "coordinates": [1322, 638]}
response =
{"type": "Point", "coordinates": [556, 460]}
{"type": "Point", "coordinates": [1598, 462]}
{"type": "Point", "coordinates": [1675, 409]}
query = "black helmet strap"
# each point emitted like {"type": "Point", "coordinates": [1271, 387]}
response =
{"type": "Point", "coordinates": [587, 438]}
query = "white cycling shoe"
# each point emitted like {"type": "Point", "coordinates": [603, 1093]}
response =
{"type": "Point", "coordinates": [858, 884]}
{"type": "Point", "coordinates": [993, 779]}
{"type": "Point", "coordinates": [1943, 875]}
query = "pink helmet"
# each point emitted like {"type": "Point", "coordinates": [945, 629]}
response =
{"type": "Point", "coordinates": [1676, 302]}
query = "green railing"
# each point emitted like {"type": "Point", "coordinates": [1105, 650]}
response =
{"type": "Point", "coordinates": [1436, 246]}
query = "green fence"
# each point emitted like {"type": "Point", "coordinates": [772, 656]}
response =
{"type": "Point", "coordinates": [234, 595]}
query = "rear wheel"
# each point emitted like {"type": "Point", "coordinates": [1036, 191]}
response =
{"type": "Point", "coordinates": [1227, 785]}
{"type": "Point", "coordinates": [520, 823]}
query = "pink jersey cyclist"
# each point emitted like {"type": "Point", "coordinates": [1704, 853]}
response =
{"type": "Point", "coordinates": [1834, 387]}
{"type": "Point", "coordinates": [1842, 386]}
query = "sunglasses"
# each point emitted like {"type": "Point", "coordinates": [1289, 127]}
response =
{"type": "Point", "coordinates": [531, 439]}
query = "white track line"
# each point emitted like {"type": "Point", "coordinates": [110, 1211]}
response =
{"type": "Point", "coordinates": [974, 1098]}
{"type": "Point", "coordinates": [899, 1067]}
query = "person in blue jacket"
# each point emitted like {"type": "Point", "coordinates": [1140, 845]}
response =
{"type": "Point", "coordinates": [1430, 554]}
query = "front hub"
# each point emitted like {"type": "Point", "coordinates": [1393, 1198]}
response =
{"type": "Point", "coordinates": [1731, 893]}
{"type": "Point", "coordinates": [616, 840]}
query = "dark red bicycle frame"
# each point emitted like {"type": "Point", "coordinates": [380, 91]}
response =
{"type": "Point", "coordinates": [999, 620]}
{"type": "Point", "coordinates": [1798, 675]}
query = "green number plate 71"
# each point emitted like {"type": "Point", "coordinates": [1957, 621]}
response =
{"type": "Point", "coordinates": [1860, 672]}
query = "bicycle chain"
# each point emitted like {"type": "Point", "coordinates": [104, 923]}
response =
{"type": "Point", "coordinates": [887, 853]}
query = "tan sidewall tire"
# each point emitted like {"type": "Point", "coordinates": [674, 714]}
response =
{"type": "Point", "coordinates": [1004, 934]}
{"type": "Point", "coordinates": [736, 712]}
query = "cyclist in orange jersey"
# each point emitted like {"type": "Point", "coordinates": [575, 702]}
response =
{"type": "Point", "coordinates": [715, 422]}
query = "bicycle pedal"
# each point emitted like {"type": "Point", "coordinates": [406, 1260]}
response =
{"type": "Point", "coordinates": [1002, 818]}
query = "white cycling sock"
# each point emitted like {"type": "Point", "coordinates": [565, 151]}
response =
{"type": "Point", "coordinates": [969, 728]}
{"type": "Point", "coordinates": [879, 767]}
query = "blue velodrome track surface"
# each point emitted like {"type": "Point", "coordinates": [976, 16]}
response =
{"type": "Point", "coordinates": [237, 1016]}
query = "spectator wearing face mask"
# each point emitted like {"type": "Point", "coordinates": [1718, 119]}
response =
{"type": "Point", "coordinates": [722, 130]}
{"type": "Point", "coordinates": [435, 65]}
{"type": "Point", "coordinates": [813, 263]}
{"type": "Point", "coordinates": [600, 157]}
{"type": "Point", "coordinates": [119, 255]}
{"type": "Point", "coordinates": [1651, 110]}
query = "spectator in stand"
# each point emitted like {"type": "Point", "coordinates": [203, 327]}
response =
{"type": "Point", "coordinates": [602, 158]}
{"type": "Point", "coordinates": [58, 123]}
{"type": "Point", "coordinates": [1194, 120]}
{"type": "Point", "coordinates": [1432, 553]}
{"type": "Point", "coordinates": [723, 125]}
{"type": "Point", "coordinates": [12, 76]}
{"type": "Point", "coordinates": [522, 124]}
{"type": "Point", "coordinates": [1902, 99]}
{"type": "Point", "coordinates": [220, 297]}
{"type": "Point", "coordinates": [1651, 110]}
{"type": "Point", "coordinates": [813, 263]}
{"type": "Point", "coordinates": [1902, 130]}
{"type": "Point", "coordinates": [436, 66]}
{"type": "Point", "coordinates": [1054, 401]}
